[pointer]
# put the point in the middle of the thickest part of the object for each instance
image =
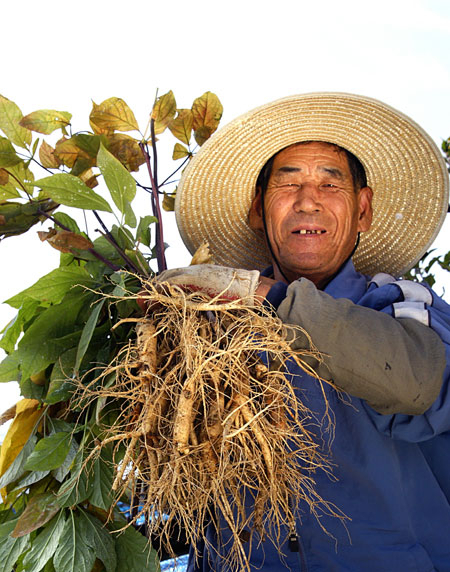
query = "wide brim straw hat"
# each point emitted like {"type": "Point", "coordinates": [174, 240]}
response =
{"type": "Point", "coordinates": [404, 167]}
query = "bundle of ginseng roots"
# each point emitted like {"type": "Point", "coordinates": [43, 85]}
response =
{"type": "Point", "coordinates": [213, 431]}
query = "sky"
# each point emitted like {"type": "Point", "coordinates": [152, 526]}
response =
{"type": "Point", "coordinates": [64, 55]}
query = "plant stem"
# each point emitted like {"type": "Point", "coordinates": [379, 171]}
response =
{"type": "Point", "coordinates": [160, 257]}
{"type": "Point", "coordinates": [109, 237]}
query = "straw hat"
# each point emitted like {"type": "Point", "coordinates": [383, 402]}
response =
{"type": "Point", "coordinates": [404, 168]}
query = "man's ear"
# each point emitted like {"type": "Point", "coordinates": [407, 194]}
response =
{"type": "Point", "coordinates": [365, 209]}
{"type": "Point", "coordinates": [255, 219]}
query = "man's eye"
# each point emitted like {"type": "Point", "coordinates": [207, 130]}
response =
{"type": "Point", "coordinates": [288, 187]}
{"type": "Point", "coordinates": [330, 187]}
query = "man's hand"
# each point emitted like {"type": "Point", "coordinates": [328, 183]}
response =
{"type": "Point", "coordinates": [215, 281]}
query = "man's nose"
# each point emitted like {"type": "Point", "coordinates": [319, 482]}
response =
{"type": "Point", "coordinates": [307, 198]}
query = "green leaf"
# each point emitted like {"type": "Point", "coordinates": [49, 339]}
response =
{"type": "Point", "coordinates": [44, 545]}
{"type": "Point", "coordinates": [61, 386]}
{"type": "Point", "coordinates": [20, 176]}
{"type": "Point", "coordinates": [98, 537]}
{"type": "Point", "coordinates": [103, 476]}
{"type": "Point", "coordinates": [51, 288]}
{"type": "Point", "coordinates": [10, 550]}
{"type": "Point", "coordinates": [61, 472]}
{"type": "Point", "coordinates": [77, 488]}
{"type": "Point", "coordinates": [135, 553]}
{"type": "Point", "coordinates": [46, 120]}
{"type": "Point", "coordinates": [143, 234]}
{"type": "Point", "coordinates": [52, 333]}
{"type": "Point", "coordinates": [120, 183]}
{"type": "Point", "coordinates": [17, 468]}
{"type": "Point", "coordinates": [49, 452]}
{"type": "Point", "coordinates": [71, 191]}
{"type": "Point", "coordinates": [7, 526]}
{"type": "Point", "coordinates": [40, 509]}
{"type": "Point", "coordinates": [10, 116]}
{"type": "Point", "coordinates": [73, 553]}
{"type": "Point", "coordinates": [31, 478]}
{"type": "Point", "coordinates": [8, 192]}
{"type": "Point", "coordinates": [67, 221]}
{"type": "Point", "coordinates": [8, 156]}
{"type": "Point", "coordinates": [9, 368]}
{"type": "Point", "coordinates": [13, 330]}
{"type": "Point", "coordinates": [86, 335]}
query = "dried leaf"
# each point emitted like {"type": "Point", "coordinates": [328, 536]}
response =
{"type": "Point", "coordinates": [39, 510]}
{"type": "Point", "coordinates": [202, 255]}
{"type": "Point", "coordinates": [164, 111]}
{"type": "Point", "coordinates": [47, 156]}
{"type": "Point", "coordinates": [113, 114]}
{"type": "Point", "coordinates": [89, 178]}
{"type": "Point", "coordinates": [7, 415]}
{"type": "Point", "coordinates": [181, 126]}
{"type": "Point", "coordinates": [46, 120]}
{"type": "Point", "coordinates": [207, 112]}
{"type": "Point", "coordinates": [65, 240]}
{"type": "Point", "coordinates": [127, 150]}
{"type": "Point", "coordinates": [4, 177]}
{"type": "Point", "coordinates": [202, 134]}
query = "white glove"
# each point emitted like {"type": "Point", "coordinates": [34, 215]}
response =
{"type": "Point", "coordinates": [227, 283]}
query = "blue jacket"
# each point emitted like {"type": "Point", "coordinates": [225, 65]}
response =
{"type": "Point", "coordinates": [392, 471]}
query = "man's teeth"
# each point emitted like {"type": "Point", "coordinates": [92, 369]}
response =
{"type": "Point", "coordinates": [303, 231]}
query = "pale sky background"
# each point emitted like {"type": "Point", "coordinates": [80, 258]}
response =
{"type": "Point", "coordinates": [61, 55]}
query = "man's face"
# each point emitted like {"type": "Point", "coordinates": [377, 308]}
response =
{"type": "Point", "coordinates": [313, 212]}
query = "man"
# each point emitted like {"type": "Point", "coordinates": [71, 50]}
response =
{"type": "Point", "coordinates": [291, 184]}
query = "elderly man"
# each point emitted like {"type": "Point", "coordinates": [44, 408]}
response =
{"type": "Point", "coordinates": [288, 188]}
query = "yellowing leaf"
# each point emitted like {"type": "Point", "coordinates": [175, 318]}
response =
{"type": "Point", "coordinates": [207, 112]}
{"type": "Point", "coordinates": [179, 152]}
{"type": "Point", "coordinates": [67, 151]}
{"type": "Point", "coordinates": [47, 156]}
{"type": "Point", "coordinates": [4, 177]}
{"type": "Point", "coordinates": [46, 120]}
{"type": "Point", "coordinates": [127, 150]}
{"type": "Point", "coordinates": [65, 241]}
{"type": "Point", "coordinates": [168, 202]}
{"type": "Point", "coordinates": [8, 155]}
{"type": "Point", "coordinates": [181, 126]}
{"type": "Point", "coordinates": [27, 415]}
{"type": "Point", "coordinates": [112, 115]}
{"type": "Point", "coordinates": [10, 117]}
{"type": "Point", "coordinates": [164, 111]}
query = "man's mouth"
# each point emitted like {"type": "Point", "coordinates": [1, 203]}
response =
{"type": "Point", "coordinates": [305, 231]}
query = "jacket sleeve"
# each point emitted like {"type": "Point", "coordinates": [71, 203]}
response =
{"type": "Point", "coordinates": [395, 364]}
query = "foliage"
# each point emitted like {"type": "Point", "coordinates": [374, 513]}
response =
{"type": "Point", "coordinates": [57, 513]}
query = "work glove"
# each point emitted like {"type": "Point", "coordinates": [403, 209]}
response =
{"type": "Point", "coordinates": [215, 281]}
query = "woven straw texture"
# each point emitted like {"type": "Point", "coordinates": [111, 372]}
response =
{"type": "Point", "coordinates": [403, 165]}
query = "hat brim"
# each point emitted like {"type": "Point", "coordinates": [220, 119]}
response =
{"type": "Point", "coordinates": [403, 165]}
